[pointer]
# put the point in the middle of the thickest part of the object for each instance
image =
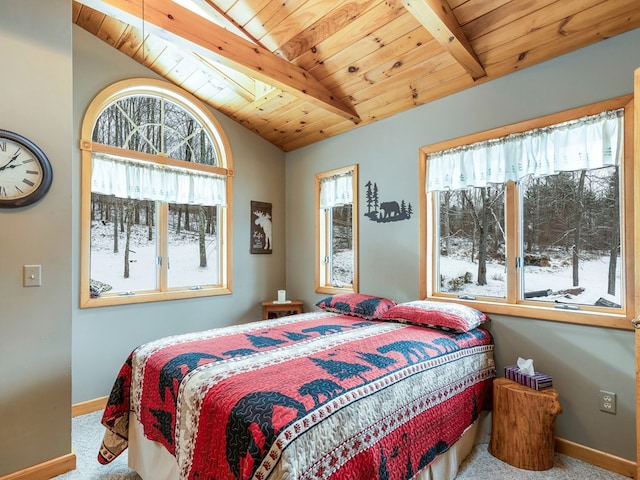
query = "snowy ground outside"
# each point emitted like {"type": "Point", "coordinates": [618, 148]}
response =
{"type": "Point", "coordinates": [593, 274]}
{"type": "Point", "coordinates": [184, 257]}
{"type": "Point", "coordinates": [185, 270]}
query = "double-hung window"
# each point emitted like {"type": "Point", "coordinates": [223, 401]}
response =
{"type": "Point", "coordinates": [337, 230]}
{"type": "Point", "coordinates": [532, 222]}
{"type": "Point", "coordinates": [156, 184]}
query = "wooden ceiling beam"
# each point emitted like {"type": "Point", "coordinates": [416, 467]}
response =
{"type": "Point", "coordinates": [227, 19]}
{"type": "Point", "coordinates": [436, 16]}
{"type": "Point", "coordinates": [322, 29]}
{"type": "Point", "coordinates": [177, 24]}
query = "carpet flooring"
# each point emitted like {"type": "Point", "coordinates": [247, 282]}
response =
{"type": "Point", "coordinates": [479, 465]}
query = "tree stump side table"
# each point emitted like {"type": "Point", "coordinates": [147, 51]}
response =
{"type": "Point", "coordinates": [523, 425]}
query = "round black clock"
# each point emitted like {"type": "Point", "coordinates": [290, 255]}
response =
{"type": "Point", "coordinates": [25, 171]}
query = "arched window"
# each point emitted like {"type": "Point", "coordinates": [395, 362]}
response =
{"type": "Point", "coordinates": [156, 197]}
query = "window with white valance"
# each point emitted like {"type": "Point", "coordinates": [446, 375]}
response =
{"type": "Point", "coordinates": [336, 190]}
{"type": "Point", "coordinates": [337, 230]}
{"type": "Point", "coordinates": [157, 179]}
{"type": "Point", "coordinates": [532, 215]}
{"type": "Point", "coordinates": [139, 180]}
{"type": "Point", "coordinates": [587, 143]}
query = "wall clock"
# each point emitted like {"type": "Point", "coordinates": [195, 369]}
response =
{"type": "Point", "coordinates": [25, 171]}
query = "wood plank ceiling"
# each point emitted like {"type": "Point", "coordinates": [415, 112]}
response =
{"type": "Point", "coordinates": [299, 71]}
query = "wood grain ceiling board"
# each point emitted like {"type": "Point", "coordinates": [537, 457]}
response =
{"type": "Point", "coordinates": [375, 57]}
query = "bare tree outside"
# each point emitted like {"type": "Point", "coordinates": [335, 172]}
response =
{"type": "Point", "coordinates": [570, 222]}
{"type": "Point", "coordinates": [471, 228]}
{"type": "Point", "coordinates": [342, 245]}
{"type": "Point", "coordinates": [153, 125]}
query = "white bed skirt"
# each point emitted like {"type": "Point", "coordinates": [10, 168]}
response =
{"type": "Point", "coordinates": [152, 462]}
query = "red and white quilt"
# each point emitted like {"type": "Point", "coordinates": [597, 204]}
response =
{"type": "Point", "coordinates": [316, 395]}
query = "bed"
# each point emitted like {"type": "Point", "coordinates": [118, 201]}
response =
{"type": "Point", "coordinates": [340, 393]}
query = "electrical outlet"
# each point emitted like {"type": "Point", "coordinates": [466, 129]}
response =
{"type": "Point", "coordinates": [607, 402]}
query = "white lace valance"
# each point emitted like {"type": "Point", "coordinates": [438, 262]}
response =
{"type": "Point", "coordinates": [583, 144]}
{"type": "Point", "coordinates": [135, 179]}
{"type": "Point", "coordinates": [336, 190]}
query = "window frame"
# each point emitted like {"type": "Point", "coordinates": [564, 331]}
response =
{"type": "Point", "coordinates": [147, 86]}
{"type": "Point", "coordinates": [322, 239]}
{"type": "Point", "coordinates": [511, 305]}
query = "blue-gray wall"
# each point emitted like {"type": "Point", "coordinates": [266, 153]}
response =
{"type": "Point", "coordinates": [581, 359]}
{"type": "Point", "coordinates": [52, 70]}
{"type": "Point", "coordinates": [103, 337]}
{"type": "Point", "coordinates": [53, 354]}
{"type": "Point", "coordinates": [35, 322]}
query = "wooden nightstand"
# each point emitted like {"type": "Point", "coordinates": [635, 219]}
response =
{"type": "Point", "coordinates": [523, 424]}
{"type": "Point", "coordinates": [273, 309]}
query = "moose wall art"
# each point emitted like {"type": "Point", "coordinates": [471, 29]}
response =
{"type": "Point", "coordinates": [387, 211]}
{"type": "Point", "coordinates": [261, 232]}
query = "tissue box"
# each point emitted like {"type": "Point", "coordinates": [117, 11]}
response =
{"type": "Point", "coordinates": [538, 381]}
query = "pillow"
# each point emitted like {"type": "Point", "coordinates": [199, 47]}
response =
{"type": "Point", "coordinates": [451, 317]}
{"type": "Point", "coordinates": [356, 305]}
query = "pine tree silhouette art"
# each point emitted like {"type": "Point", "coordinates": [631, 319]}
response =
{"type": "Point", "coordinates": [376, 360]}
{"type": "Point", "coordinates": [260, 341]}
{"type": "Point", "coordinates": [342, 370]}
{"type": "Point", "coordinates": [383, 472]}
{"type": "Point", "coordinates": [295, 335]}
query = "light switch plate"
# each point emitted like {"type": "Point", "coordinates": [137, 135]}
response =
{"type": "Point", "coordinates": [32, 275]}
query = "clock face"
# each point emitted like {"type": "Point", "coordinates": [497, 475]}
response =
{"type": "Point", "coordinates": [25, 172]}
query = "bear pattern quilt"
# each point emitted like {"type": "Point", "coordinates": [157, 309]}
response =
{"type": "Point", "coordinates": [315, 395]}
